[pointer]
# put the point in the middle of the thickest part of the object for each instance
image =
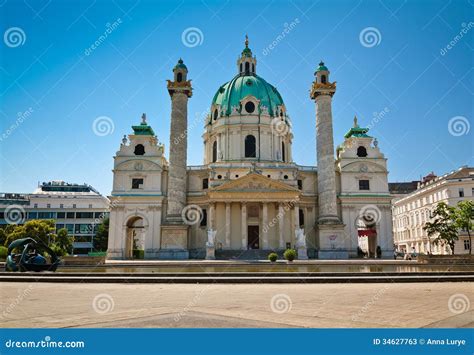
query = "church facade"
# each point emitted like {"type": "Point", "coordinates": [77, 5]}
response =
{"type": "Point", "coordinates": [249, 196]}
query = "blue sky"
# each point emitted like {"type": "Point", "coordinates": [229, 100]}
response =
{"type": "Point", "coordinates": [400, 78]}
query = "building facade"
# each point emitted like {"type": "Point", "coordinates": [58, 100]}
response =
{"type": "Point", "coordinates": [78, 208]}
{"type": "Point", "coordinates": [249, 193]}
{"type": "Point", "coordinates": [412, 211]}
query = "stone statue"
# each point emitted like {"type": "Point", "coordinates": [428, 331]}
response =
{"type": "Point", "coordinates": [300, 238]}
{"type": "Point", "coordinates": [301, 244]}
{"type": "Point", "coordinates": [144, 118]}
{"type": "Point", "coordinates": [376, 143]}
{"type": "Point", "coordinates": [211, 238]}
{"type": "Point", "coordinates": [124, 140]}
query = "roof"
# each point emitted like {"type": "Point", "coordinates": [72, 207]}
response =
{"type": "Point", "coordinates": [143, 130]}
{"type": "Point", "coordinates": [231, 93]}
{"type": "Point", "coordinates": [180, 65]}
{"type": "Point", "coordinates": [321, 67]}
{"type": "Point", "coordinates": [402, 188]}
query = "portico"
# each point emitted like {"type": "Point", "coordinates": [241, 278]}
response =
{"type": "Point", "coordinates": [258, 213]}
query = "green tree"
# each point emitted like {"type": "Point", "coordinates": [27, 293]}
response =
{"type": "Point", "coordinates": [42, 230]}
{"type": "Point", "coordinates": [464, 217]}
{"type": "Point", "coordinates": [101, 238]}
{"type": "Point", "coordinates": [63, 242]}
{"type": "Point", "coordinates": [442, 226]}
{"type": "Point", "coordinates": [5, 231]}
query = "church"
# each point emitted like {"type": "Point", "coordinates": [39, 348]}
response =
{"type": "Point", "coordinates": [249, 197]}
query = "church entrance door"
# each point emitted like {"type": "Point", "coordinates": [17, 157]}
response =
{"type": "Point", "coordinates": [253, 237]}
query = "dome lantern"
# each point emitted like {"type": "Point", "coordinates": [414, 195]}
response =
{"type": "Point", "coordinates": [246, 64]}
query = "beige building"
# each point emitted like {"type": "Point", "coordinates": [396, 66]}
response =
{"type": "Point", "coordinates": [412, 211]}
{"type": "Point", "coordinates": [249, 197]}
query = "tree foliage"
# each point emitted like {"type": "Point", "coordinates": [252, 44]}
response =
{"type": "Point", "coordinates": [101, 238]}
{"type": "Point", "coordinates": [464, 218]}
{"type": "Point", "coordinates": [442, 226]}
{"type": "Point", "coordinates": [40, 230]}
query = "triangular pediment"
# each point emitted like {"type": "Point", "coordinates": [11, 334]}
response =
{"type": "Point", "coordinates": [255, 182]}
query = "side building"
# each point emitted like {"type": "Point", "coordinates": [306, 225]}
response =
{"type": "Point", "coordinates": [78, 208]}
{"type": "Point", "coordinates": [411, 210]}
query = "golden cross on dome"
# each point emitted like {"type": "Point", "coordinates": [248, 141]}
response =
{"type": "Point", "coordinates": [246, 41]}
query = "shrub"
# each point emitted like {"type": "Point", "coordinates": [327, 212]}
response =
{"type": "Point", "coordinates": [272, 257]}
{"type": "Point", "coordinates": [290, 254]}
{"type": "Point", "coordinates": [3, 253]}
{"type": "Point", "coordinates": [138, 254]}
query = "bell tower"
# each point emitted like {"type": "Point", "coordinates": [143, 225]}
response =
{"type": "Point", "coordinates": [332, 244]}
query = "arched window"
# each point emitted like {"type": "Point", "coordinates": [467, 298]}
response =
{"type": "Point", "coordinates": [323, 79]}
{"type": "Point", "coordinates": [179, 77]}
{"type": "Point", "coordinates": [283, 153]}
{"type": "Point", "coordinates": [241, 67]}
{"type": "Point", "coordinates": [247, 67]}
{"type": "Point", "coordinates": [253, 68]}
{"type": "Point", "coordinates": [139, 149]}
{"type": "Point", "coordinates": [214, 152]}
{"type": "Point", "coordinates": [361, 152]}
{"type": "Point", "coordinates": [250, 147]}
{"type": "Point", "coordinates": [216, 114]}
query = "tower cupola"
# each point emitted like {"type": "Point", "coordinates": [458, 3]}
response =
{"type": "Point", "coordinates": [180, 71]}
{"type": "Point", "coordinates": [322, 74]}
{"type": "Point", "coordinates": [246, 64]}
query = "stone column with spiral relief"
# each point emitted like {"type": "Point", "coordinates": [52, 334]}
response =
{"type": "Point", "coordinates": [332, 241]}
{"type": "Point", "coordinates": [175, 230]}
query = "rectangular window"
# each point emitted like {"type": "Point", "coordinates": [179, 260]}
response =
{"type": "Point", "coordinates": [46, 215]}
{"type": "Point", "coordinates": [461, 192]}
{"type": "Point", "coordinates": [83, 229]}
{"type": "Point", "coordinates": [70, 228]}
{"type": "Point", "coordinates": [73, 205]}
{"type": "Point", "coordinates": [70, 215]}
{"type": "Point", "coordinates": [90, 205]}
{"type": "Point", "coordinates": [84, 214]}
{"type": "Point", "coordinates": [61, 205]}
{"type": "Point", "coordinates": [300, 184]}
{"type": "Point", "coordinates": [61, 215]}
{"type": "Point", "coordinates": [99, 214]}
{"type": "Point", "coordinates": [205, 184]}
{"type": "Point", "coordinates": [467, 243]}
{"type": "Point", "coordinates": [137, 183]}
{"type": "Point", "coordinates": [301, 217]}
{"type": "Point", "coordinates": [35, 205]}
{"type": "Point", "coordinates": [48, 205]}
{"type": "Point", "coordinates": [364, 185]}
{"type": "Point", "coordinates": [32, 215]}
{"type": "Point", "coordinates": [204, 218]}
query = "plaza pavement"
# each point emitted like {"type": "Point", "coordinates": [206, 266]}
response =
{"type": "Point", "coordinates": [235, 305]}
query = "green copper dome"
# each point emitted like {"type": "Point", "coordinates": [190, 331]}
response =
{"type": "Point", "coordinates": [180, 65]}
{"type": "Point", "coordinates": [231, 93]}
{"type": "Point", "coordinates": [321, 67]}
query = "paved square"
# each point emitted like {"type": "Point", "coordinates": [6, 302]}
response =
{"type": "Point", "coordinates": [242, 305]}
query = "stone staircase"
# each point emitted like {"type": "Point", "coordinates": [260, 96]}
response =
{"type": "Point", "coordinates": [251, 254]}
